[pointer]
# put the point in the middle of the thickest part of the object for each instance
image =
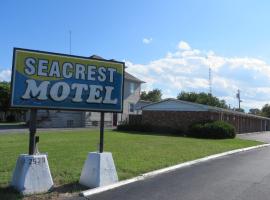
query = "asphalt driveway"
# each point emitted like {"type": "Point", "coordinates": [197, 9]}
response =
{"type": "Point", "coordinates": [242, 176]}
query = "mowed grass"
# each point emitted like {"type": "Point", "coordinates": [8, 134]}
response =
{"type": "Point", "coordinates": [133, 153]}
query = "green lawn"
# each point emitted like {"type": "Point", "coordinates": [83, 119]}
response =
{"type": "Point", "coordinates": [134, 154]}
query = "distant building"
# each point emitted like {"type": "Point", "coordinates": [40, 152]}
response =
{"type": "Point", "coordinates": [140, 104]}
{"type": "Point", "coordinates": [64, 119]}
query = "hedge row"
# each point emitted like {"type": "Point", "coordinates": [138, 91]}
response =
{"type": "Point", "coordinates": [149, 128]}
{"type": "Point", "coordinates": [211, 130]}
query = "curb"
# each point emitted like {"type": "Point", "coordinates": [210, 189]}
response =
{"type": "Point", "coordinates": [90, 192]}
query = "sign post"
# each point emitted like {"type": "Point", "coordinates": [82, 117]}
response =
{"type": "Point", "coordinates": [101, 139]}
{"type": "Point", "coordinates": [32, 130]}
{"type": "Point", "coordinates": [45, 80]}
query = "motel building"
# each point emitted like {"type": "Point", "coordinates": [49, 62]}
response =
{"type": "Point", "coordinates": [178, 114]}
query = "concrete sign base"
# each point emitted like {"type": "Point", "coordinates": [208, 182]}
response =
{"type": "Point", "coordinates": [98, 170]}
{"type": "Point", "coordinates": [32, 174]}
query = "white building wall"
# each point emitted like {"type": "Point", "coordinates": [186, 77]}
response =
{"type": "Point", "coordinates": [59, 119]}
{"type": "Point", "coordinates": [129, 98]}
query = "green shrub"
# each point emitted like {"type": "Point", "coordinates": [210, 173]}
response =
{"type": "Point", "coordinates": [212, 130]}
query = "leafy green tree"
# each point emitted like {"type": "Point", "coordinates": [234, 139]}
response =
{"type": "Point", "coordinates": [153, 95]}
{"type": "Point", "coordinates": [239, 110]}
{"type": "Point", "coordinates": [202, 98]}
{"type": "Point", "coordinates": [4, 97]}
{"type": "Point", "coordinates": [254, 111]}
{"type": "Point", "coordinates": [266, 110]}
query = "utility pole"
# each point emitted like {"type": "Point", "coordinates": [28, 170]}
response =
{"type": "Point", "coordinates": [239, 99]}
{"type": "Point", "coordinates": [210, 80]}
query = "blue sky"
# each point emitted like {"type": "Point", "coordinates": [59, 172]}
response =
{"type": "Point", "coordinates": [169, 44]}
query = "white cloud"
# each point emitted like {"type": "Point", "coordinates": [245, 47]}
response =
{"type": "Point", "coordinates": [183, 45]}
{"type": "Point", "coordinates": [5, 75]}
{"type": "Point", "coordinates": [186, 69]}
{"type": "Point", "coordinates": [215, 62]}
{"type": "Point", "coordinates": [147, 40]}
{"type": "Point", "coordinates": [250, 103]}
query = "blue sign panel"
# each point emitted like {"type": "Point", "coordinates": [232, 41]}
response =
{"type": "Point", "coordinates": [58, 81]}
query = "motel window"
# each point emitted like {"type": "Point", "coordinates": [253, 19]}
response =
{"type": "Point", "coordinates": [131, 107]}
{"type": "Point", "coordinates": [132, 88]}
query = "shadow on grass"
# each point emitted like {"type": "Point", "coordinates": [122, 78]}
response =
{"type": "Point", "coordinates": [174, 134]}
{"type": "Point", "coordinates": [9, 193]}
{"type": "Point", "coordinates": [69, 188]}
{"type": "Point", "coordinates": [64, 191]}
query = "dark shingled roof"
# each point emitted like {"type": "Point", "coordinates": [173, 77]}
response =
{"type": "Point", "coordinates": [128, 76]}
{"type": "Point", "coordinates": [207, 107]}
{"type": "Point", "coordinates": [96, 57]}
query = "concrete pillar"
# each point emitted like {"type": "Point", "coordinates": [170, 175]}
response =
{"type": "Point", "coordinates": [32, 174]}
{"type": "Point", "coordinates": [98, 170]}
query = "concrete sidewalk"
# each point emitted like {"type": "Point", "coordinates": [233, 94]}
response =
{"type": "Point", "coordinates": [258, 136]}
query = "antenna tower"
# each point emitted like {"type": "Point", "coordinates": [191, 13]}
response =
{"type": "Point", "coordinates": [69, 42]}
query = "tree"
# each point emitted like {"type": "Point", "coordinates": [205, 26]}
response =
{"type": "Point", "coordinates": [202, 98]}
{"type": "Point", "coordinates": [239, 110]}
{"type": "Point", "coordinates": [266, 110]}
{"type": "Point", "coordinates": [254, 111]}
{"type": "Point", "coordinates": [4, 97]}
{"type": "Point", "coordinates": [153, 95]}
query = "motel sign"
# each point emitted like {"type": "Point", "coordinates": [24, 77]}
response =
{"type": "Point", "coordinates": [58, 81]}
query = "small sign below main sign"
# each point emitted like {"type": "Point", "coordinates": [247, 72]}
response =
{"type": "Point", "coordinates": [58, 81]}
